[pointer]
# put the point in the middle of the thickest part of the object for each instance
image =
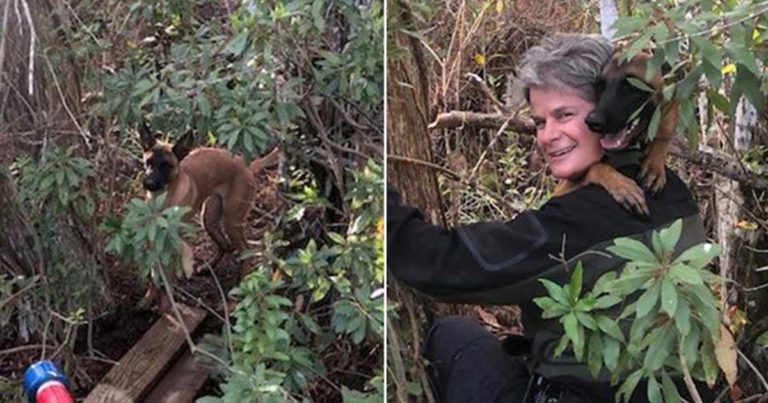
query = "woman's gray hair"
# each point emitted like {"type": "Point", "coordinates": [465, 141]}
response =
{"type": "Point", "coordinates": [565, 61]}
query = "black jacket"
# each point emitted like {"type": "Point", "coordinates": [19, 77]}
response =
{"type": "Point", "coordinates": [500, 262]}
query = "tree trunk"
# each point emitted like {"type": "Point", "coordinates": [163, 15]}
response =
{"type": "Point", "coordinates": [407, 118]}
{"type": "Point", "coordinates": [408, 136]}
{"type": "Point", "coordinates": [39, 86]}
{"type": "Point", "coordinates": [738, 260]}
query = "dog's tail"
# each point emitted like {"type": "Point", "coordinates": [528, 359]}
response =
{"type": "Point", "coordinates": [269, 160]}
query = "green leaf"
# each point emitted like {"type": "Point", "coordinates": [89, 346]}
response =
{"type": "Point", "coordinates": [691, 347]}
{"type": "Point", "coordinates": [595, 352]}
{"type": "Point", "coordinates": [699, 255]}
{"type": "Point", "coordinates": [668, 296]}
{"type": "Point", "coordinates": [575, 332]}
{"type": "Point", "coordinates": [683, 317]}
{"type": "Point", "coordinates": [685, 274]}
{"type": "Point", "coordinates": [647, 301]}
{"type": "Point", "coordinates": [707, 50]}
{"type": "Point", "coordinates": [750, 85]}
{"type": "Point", "coordinates": [636, 46]}
{"type": "Point", "coordinates": [632, 279]}
{"type": "Point", "coordinates": [555, 291]}
{"type": "Point", "coordinates": [203, 105]}
{"type": "Point", "coordinates": [654, 394]}
{"type": "Point", "coordinates": [653, 126]}
{"type": "Point", "coordinates": [672, 51]}
{"type": "Point", "coordinates": [550, 307]}
{"type": "Point", "coordinates": [706, 307]}
{"type": "Point", "coordinates": [585, 304]}
{"type": "Point", "coordinates": [604, 283]}
{"type": "Point", "coordinates": [610, 327]}
{"type": "Point", "coordinates": [639, 327]}
{"type": "Point", "coordinates": [576, 282]}
{"type": "Point", "coordinates": [607, 301]}
{"type": "Point", "coordinates": [277, 301]}
{"type": "Point", "coordinates": [611, 350]}
{"type": "Point", "coordinates": [708, 360]}
{"type": "Point", "coordinates": [629, 25]}
{"type": "Point", "coordinates": [744, 56]}
{"type": "Point", "coordinates": [669, 389]}
{"type": "Point", "coordinates": [640, 84]}
{"type": "Point", "coordinates": [586, 320]}
{"type": "Point", "coordinates": [414, 388]}
{"type": "Point", "coordinates": [659, 346]}
{"type": "Point", "coordinates": [762, 340]}
{"type": "Point", "coordinates": [719, 101]}
{"type": "Point", "coordinates": [686, 87]}
{"type": "Point", "coordinates": [713, 73]}
{"type": "Point", "coordinates": [561, 346]}
{"type": "Point", "coordinates": [237, 45]}
{"type": "Point", "coordinates": [632, 249]}
{"type": "Point", "coordinates": [629, 385]}
{"type": "Point", "coordinates": [670, 235]}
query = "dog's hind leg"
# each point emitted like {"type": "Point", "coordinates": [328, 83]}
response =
{"type": "Point", "coordinates": [237, 206]}
{"type": "Point", "coordinates": [212, 214]}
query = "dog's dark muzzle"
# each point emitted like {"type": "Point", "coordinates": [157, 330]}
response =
{"type": "Point", "coordinates": [152, 185]}
{"type": "Point", "coordinates": [596, 122]}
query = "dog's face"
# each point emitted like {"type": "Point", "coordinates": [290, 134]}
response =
{"type": "Point", "coordinates": [615, 117]}
{"type": "Point", "coordinates": [161, 160]}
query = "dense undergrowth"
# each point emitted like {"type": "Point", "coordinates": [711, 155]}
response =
{"type": "Point", "coordinates": [247, 76]}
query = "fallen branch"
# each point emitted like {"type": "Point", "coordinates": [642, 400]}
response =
{"type": "Point", "coordinates": [721, 163]}
{"type": "Point", "coordinates": [456, 119]}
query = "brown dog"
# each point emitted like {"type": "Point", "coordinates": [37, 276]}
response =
{"type": "Point", "coordinates": [617, 121]}
{"type": "Point", "coordinates": [208, 180]}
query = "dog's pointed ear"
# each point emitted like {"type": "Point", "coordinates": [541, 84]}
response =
{"type": "Point", "coordinates": [184, 145]}
{"type": "Point", "coordinates": [146, 136]}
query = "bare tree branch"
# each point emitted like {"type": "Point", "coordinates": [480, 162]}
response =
{"type": "Point", "coordinates": [721, 163]}
{"type": "Point", "coordinates": [455, 119]}
{"type": "Point", "coordinates": [498, 105]}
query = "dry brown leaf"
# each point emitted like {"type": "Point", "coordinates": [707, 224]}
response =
{"type": "Point", "coordinates": [187, 260]}
{"type": "Point", "coordinates": [488, 318]}
{"type": "Point", "coordinates": [725, 351]}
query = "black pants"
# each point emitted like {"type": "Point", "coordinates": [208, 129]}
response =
{"type": "Point", "coordinates": [468, 364]}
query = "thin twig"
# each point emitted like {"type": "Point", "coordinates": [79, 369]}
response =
{"type": "Point", "coordinates": [491, 145]}
{"type": "Point", "coordinates": [754, 368]}
{"type": "Point", "coordinates": [451, 174]}
{"type": "Point", "coordinates": [64, 103]}
{"type": "Point", "coordinates": [226, 309]}
{"type": "Point", "coordinates": [22, 348]}
{"type": "Point", "coordinates": [314, 119]}
{"type": "Point", "coordinates": [32, 41]}
{"type": "Point", "coordinates": [498, 105]}
{"type": "Point", "coordinates": [17, 293]}
{"type": "Point", "coordinates": [514, 207]}
{"type": "Point", "coordinates": [689, 381]}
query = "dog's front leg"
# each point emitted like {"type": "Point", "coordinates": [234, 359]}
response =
{"type": "Point", "coordinates": [652, 170]}
{"type": "Point", "coordinates": [624, 190]}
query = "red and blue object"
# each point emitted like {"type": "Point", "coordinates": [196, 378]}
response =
{"type": "Point", "coordinates": [45, 383]}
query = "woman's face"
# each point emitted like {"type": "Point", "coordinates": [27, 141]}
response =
{"type": "Point", "coordinates": [568, 145]}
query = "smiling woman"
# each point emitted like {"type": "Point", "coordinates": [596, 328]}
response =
{"type": "Point", "coordinates": [502, 262]}
{"type": "Point", "coordinates": [562, 136]}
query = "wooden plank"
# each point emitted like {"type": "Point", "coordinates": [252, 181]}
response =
{"type": "Point", "coordinates": [181, 383]}
{"type": "Point", "coordinates": [139, 368]}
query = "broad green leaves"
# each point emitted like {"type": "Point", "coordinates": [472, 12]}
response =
{"type": "Point", "coordinates": [332, 294]}
{"type": "Point", "coordinates": [719, 41]}
{"type": "Point", "coordinates": [666, 304]}
{"type": "Point", "coordinates": [151, 236]}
